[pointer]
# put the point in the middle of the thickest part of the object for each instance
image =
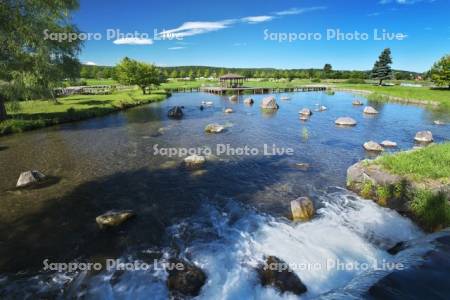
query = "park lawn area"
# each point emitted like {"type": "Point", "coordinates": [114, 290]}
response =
{"type": "Point", "coordinates": [432, 162]}
{"type": "Point", "coordinates": [41, 113]}
{"type": "Point", "coordinates": [418, 93]}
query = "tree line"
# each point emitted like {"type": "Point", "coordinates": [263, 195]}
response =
{"type": "Point", "coordinates": [193, 72]}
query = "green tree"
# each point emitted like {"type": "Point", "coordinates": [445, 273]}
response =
{"type": "Point", "coordinates": [132, 72]}
{"type": "Point", "coordinates": [327, 68]}
{"type": "Point", "coordinates": [440, 72]}
{"type": "Point", "coordinates": [382, 67]}
{"type": "Point", "coordinates": [28, 56]}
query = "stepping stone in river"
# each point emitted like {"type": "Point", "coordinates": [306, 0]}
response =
{"type": "Point", "coordinates": [388, 143]}
{"type": "Point", "coordinates": [114, 218]}
{"type": "Point", "coordinates": [370, 110]}
{"type": "Point", "coordinates": [29, 178]}
{"type": "Point", "coordinates": [345, 121]}
{"type": "Point", "coordinates": [305, 112]}
{"type": "Point", "coordinates": [373, 146]}
{"type": "Point", "coordinates": [214, 128]}
{"type": "Point", "coordinates": [424, 136]}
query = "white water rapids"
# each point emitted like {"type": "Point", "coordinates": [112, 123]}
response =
{"type": "Point", "coordinates": [230, 240]}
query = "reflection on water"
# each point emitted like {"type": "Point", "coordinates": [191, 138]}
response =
{"type": "Point", "coordinates": [108, 163]}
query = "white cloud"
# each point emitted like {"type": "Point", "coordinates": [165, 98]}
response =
{"type": "Point", "coordinates": [194, 28]}
{"type": "Point", "coordinates": [404, 1]}
{"type": "Point", "coordinates": [257, 19]}
{"type": "Point", "coordinates": [374, 14]}
{"type": "Point", "coordinates": [176, 48]}
{"type": "Point", "coordinates": [200, 27]}
{"type": "Point", "coordinates": [298, 11]}
{"type": "Point", "coordinates": [89, 63]}
{"type": "Point", "coordinates": [133, 41]}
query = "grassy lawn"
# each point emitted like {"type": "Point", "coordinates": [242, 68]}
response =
{"type": "Point", "coordinates": [419, 93]}
{"type": "Point", "coordinates": [41, 113]}
{"type": "Point", "coordinates": [432, 162]}
{"type": "Point", "coordinates": [430, 209]}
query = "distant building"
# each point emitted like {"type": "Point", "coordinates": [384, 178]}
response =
{"type": "Point", "coordinates": [231, 80]}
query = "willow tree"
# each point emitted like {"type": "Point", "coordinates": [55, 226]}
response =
{"type": "Point", "coordinates": [30, 60]}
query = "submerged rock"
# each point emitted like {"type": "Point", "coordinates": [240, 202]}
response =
{"type": "Point", "coordinates": [185, 278]}
{"type": "Point", "coordinates": [233, 98]}
{"type": "Point", "coordinates": [302, 166]}
{"type": "Point", "coordinates": [373, 146]}
{"type": "Point", "coordinates": [302, 209]}
{"type": "Point", "coordinates": [214, 128]}
{"type": "Point", "coordinates": [304, 117]}
{"type": "Point", "coordinates": [370, 110]}
{"type": "Point", "coordinates": [276, 273]}
{"type": "Point", "coordinates": [114, 218]}
{"type": "Point", "coordinates": [269, 103]}
{"type": "Point", "coordinates": [357, 102]}
{"type": "Point", "coordinates": [345, 121]}
{"type": "Point", "coordinates": [438, 122]}
{"type": "Point", "coordinates": [400, 246]}
{"type": "Point", "coordinates": [228, 110]}
{"type": "Point", "coordinates": [249, 101]}
{"type": "Point", "coordinates": [175, 112]}
{"type": "Point", "coordinates": [424, 137]}
{"type": "Point", "coordinates": [388, 143]}
{"type": "Point", "coordinates": [322, 108]}
{"type": "Point", "coordinates": [194, 160]}
{"type": "Point", "coordinates": [30, 178]}
{"type": "Point", "coordinates": [305, 112]}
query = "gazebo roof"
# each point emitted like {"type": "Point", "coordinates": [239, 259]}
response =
{"type": "Point", "coordinates": [231, 76]}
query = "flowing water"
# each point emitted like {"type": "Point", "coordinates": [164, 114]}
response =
{"type": "Point", "coordinates": [225, 217]}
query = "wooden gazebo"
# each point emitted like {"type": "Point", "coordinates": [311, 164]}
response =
{"type": "Point", "coordinates": [231, 80]}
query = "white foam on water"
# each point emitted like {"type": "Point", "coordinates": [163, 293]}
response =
{"type": "Point", "coordinates": [229, 242]}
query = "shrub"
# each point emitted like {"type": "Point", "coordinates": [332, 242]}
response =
{"type": "Point", "coordinates": [316, 80]}
{"type": "Point", "coordinates": [431, 209]}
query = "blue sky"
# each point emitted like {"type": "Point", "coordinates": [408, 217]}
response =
{"type": "Point", "coordinates": [235, 33]}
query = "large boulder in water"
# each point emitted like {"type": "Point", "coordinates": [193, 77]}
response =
{"type": "Point", "coordinates": [370, 110]}
{"type": "Point", "coordinates": [269, 103]}
{"type": "Point", "coordinates": [305, 112]}
{"type": "Point", "coordinates": [30, 178]}
{"type": "Point", "coordinates": [214, 128]}
{"type": "Point", "coordinates": [175, 112]}
{"type": "Point", "coordinates": [233, 98]}
{"type": "Point", "coordinates": [186, 280]}
{"type": "Point", "coordinates": [114, 218]}
{"type": "Point", "coordinates": [276, 273]}
{"type": "Point", "coordinates": [373, 146]}
{"type": "Point", "coordinates": [194, 160]}
{"type": "Point", "coordinates": [248, 101]}
{"type": "Point", "coordinates": [302, 209]}
{"type": "Point", "coordinates": [345, 121]}
{"type": "Point", "coordinates": [388, 143]}
{"type": "Point", "coordinates": [424, 137]}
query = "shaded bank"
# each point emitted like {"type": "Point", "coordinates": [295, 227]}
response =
{"type": "Point", "coordinates": [415, 183]}
{"type": "Point", "coordinates": [42, 113]}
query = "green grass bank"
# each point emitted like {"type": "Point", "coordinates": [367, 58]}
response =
{"type": "Point", "coordinates": [28, 115]}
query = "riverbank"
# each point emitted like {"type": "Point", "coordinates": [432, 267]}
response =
{"type": "Point", "coordinates": [36, 114]}
{"type": "Point", "coordinates": [415, 183]}
{"type": "Point", "coordinates": [438, 98]}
